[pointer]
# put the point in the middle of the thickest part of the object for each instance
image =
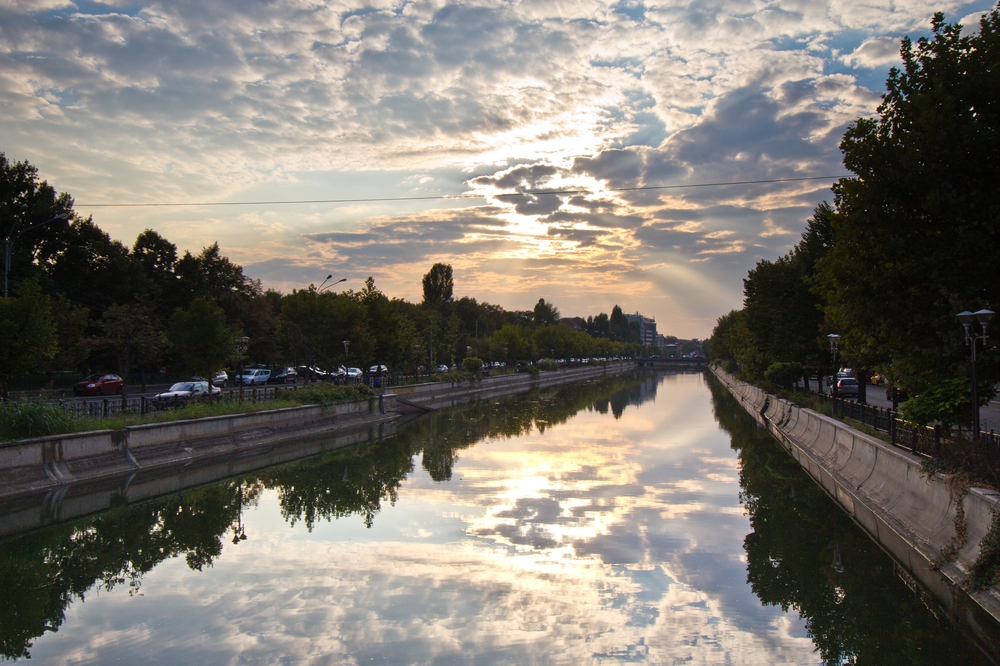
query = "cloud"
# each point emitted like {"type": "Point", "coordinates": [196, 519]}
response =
{"type": "Point", "coordinates": [875, 52]}
{"type": "Point", "coordinates": [186, 100]}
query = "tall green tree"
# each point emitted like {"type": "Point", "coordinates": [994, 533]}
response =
{"type": "Point", "coordinates": [439, 285]}
{"type": "Point", "coordinates": [132, 337]}
{"type": "Point", "coordinates": [916, 226]}
{"type": "Point", "coordinates": [27, 331]}
{"type": "Point", "coordinates": [545, 313]}
{"type": "Point", "coordinates": [199, 334]}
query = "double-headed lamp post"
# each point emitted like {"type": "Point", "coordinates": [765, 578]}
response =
{"type": "Point", "coordinates": [11, 237]}
{"type": "Point", "coordinates": [968, 319]}
{"type": "Point", "coordinates": [321, 287]}
{"type": "Point", "coordinates": [834, 342]}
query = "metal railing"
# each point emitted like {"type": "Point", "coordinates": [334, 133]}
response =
{"type": "Point", "coordinates": [114, 405]}
{"type": "Point", "coordinates": [922, 440]}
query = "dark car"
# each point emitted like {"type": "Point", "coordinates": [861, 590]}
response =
{"type": "Point", "coordinates": [847, 386]}
{"type": "Point", "coordinates": [284, 376]}
{"type": "Point", "coordinates": [99, 385]}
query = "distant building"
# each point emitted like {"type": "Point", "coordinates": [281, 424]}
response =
{"type": "Point", "coordinates": [647, 328]}
{"type": "Point", "coordinates": [574, 323]}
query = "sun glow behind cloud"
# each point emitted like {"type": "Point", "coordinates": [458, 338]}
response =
{"type": "Point", "coordinates": [185, 101]}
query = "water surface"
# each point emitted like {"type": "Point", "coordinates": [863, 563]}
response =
{"type": "Point", "coordinates": [642, 519]}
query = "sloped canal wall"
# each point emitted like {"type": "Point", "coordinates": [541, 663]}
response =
{"type": "Point", "coordinates": [908, 512]}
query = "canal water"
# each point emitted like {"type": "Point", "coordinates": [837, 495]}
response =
{"type": "Point", "coordinates": [639, 519]}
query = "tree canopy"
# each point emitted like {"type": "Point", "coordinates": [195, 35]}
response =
{"type": "Point", "coordinates": [909, 239]}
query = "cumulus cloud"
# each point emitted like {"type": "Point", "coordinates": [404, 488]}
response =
{"type": "Point", "coordinates": [174, 101]}
{"type": "Point", "coordinates": [875, 52]}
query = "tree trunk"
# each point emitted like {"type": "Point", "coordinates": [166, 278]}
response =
{"type": "Point", "coordinates": [863, 376]}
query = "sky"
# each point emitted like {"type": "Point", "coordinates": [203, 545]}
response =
{"type": "Point", "coordinates": [402, 122]}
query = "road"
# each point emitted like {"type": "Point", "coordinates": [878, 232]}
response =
{"type": "Point", "coordinates": [989, 415]}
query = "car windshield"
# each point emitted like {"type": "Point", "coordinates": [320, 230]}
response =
{"type": "Point", "coordinates": [182, 386]}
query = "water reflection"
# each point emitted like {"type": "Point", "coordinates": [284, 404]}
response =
{"type": "Point", "coordinates": [607, 521]}
{"type": "Point", "coordinates": [43, 573]}
{"type": "Point", "coordinates": [806, 554]}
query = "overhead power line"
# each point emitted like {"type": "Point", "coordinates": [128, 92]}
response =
{"type": "Point", "coordinates": [526, 193]}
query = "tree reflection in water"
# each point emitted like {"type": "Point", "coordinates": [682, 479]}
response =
{"type": "Point", "coordinates": [43, 572]}
{"type": "Point", "coordinates": [806, 554]}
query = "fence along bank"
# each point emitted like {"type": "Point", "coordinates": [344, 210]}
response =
{"type": "Point", "coordinates": [918, 518]}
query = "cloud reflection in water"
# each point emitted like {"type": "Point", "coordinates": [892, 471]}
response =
{"type": "Point", "coordinates": [559, 546]}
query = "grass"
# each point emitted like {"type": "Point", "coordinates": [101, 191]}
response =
{"type": "Point", "coordinates": [31, 418]}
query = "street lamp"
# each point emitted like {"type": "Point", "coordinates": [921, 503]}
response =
{"type": "Point", "coordinates": [968, 319]}
{"type": "Point", "coordinates": [242, 342]}
{"type": "Point", "coordinates": [834, 341]}
{"type": "Point", "coordinates": [11, 237]}
{"type": "Point", "coordinates": [322, 288]}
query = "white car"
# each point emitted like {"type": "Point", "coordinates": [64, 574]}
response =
{"type": "Point", "coordinates": [255, 376]}
{"type": "Point", "coordinates": [221, 379]}
{"type": "Point", "coordinates": [442, 368]}
{"type": "Point", "coordinates": [375, 369]}
{"type": "Point", "coordinates": [181, 392]}
{"type": "Point", "coordinates": [354, 373]}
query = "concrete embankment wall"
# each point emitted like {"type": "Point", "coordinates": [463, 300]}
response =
{"type": "Point", "coordinates": [33, 465]}
{"type": "Point", "coordinates": [53, 479]}
{"type": "Point", "coordinates": [910, 513]}
{"type": "Point", "coordinates": [439, 395]}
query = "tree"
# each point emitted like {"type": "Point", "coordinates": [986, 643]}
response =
{"type": "Point", "coordinates": [545, 313]}
{"type": "Point", "coordinates": [27, 331]}
{"type": "Point", "coordinates": [392, 333]}
{"type": "Point", "coordinates": [24, 201]}
{"type": "Point", "coordinates": [915, 225]}
{"type": "Point", "coordinates": [131, 335]}
{"type": "Point", "coordinates": [618, 325]}
{"type": "Point", "coordinates": [439, 285]}
{"type": "Point", "coordinates": [200, 336]}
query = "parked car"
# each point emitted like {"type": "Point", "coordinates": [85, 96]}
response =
{"type": "Point", "coordinates": [442, 368]}
{"type": "Point", "coordinates": [848, 386]}
{"type": "Point", "coordinates": [354, 373]}
{"type": "Point", "coordinates": [99, 385]}
{"type": "Point", "coordinates": [183, 392]}
{"type": "Point", "coordinates": [378, 369]}
{"type": "Point", "coordinates": [255, 376]}
{"type": "Point", "coordinates": [283, 376]}
{"type": "Point", "coordinates": [221, 379]}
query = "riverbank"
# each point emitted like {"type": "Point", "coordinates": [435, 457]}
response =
{"type": "Point", "coordinates": [51, 479]}
{"type": "Point", "coordinates": [924, 520]}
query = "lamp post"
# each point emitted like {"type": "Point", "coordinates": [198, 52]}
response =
{"type": "Point", "coordinates": [242, 342]}
{"type": "Point", "coordinates": [968, 319]}
{"type": "Point", "coordinates": [11, 237]}
{"type": "Point", "coordinates": [347, 344]}
{"type": "Point", "coordinates": [322, 288]}
{"type": "Point", "coordinates": [834, 342]}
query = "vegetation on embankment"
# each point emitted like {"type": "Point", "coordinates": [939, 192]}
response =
{"type": "Point", "coordinates": [21, 420]}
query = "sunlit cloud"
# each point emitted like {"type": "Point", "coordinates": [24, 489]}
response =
{"type": "Point", "coordinates": [187, 101]}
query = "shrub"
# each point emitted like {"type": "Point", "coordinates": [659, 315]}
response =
{"type": "Point", "coordinates": [548, 364]}
{"type": "Point", "coordinates": [31, 418]}
{"type": "Point", "coordinates": [472, 364]}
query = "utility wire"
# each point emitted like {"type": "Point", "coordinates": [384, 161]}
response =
{"type": "Point", "coordinates": [527, 193]}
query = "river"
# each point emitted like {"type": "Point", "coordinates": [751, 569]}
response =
{"type": "Point", "coordinates": [640, 519]}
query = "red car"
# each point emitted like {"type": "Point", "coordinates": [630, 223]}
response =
{"type": "Point", "coordinates": [99, 385]}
